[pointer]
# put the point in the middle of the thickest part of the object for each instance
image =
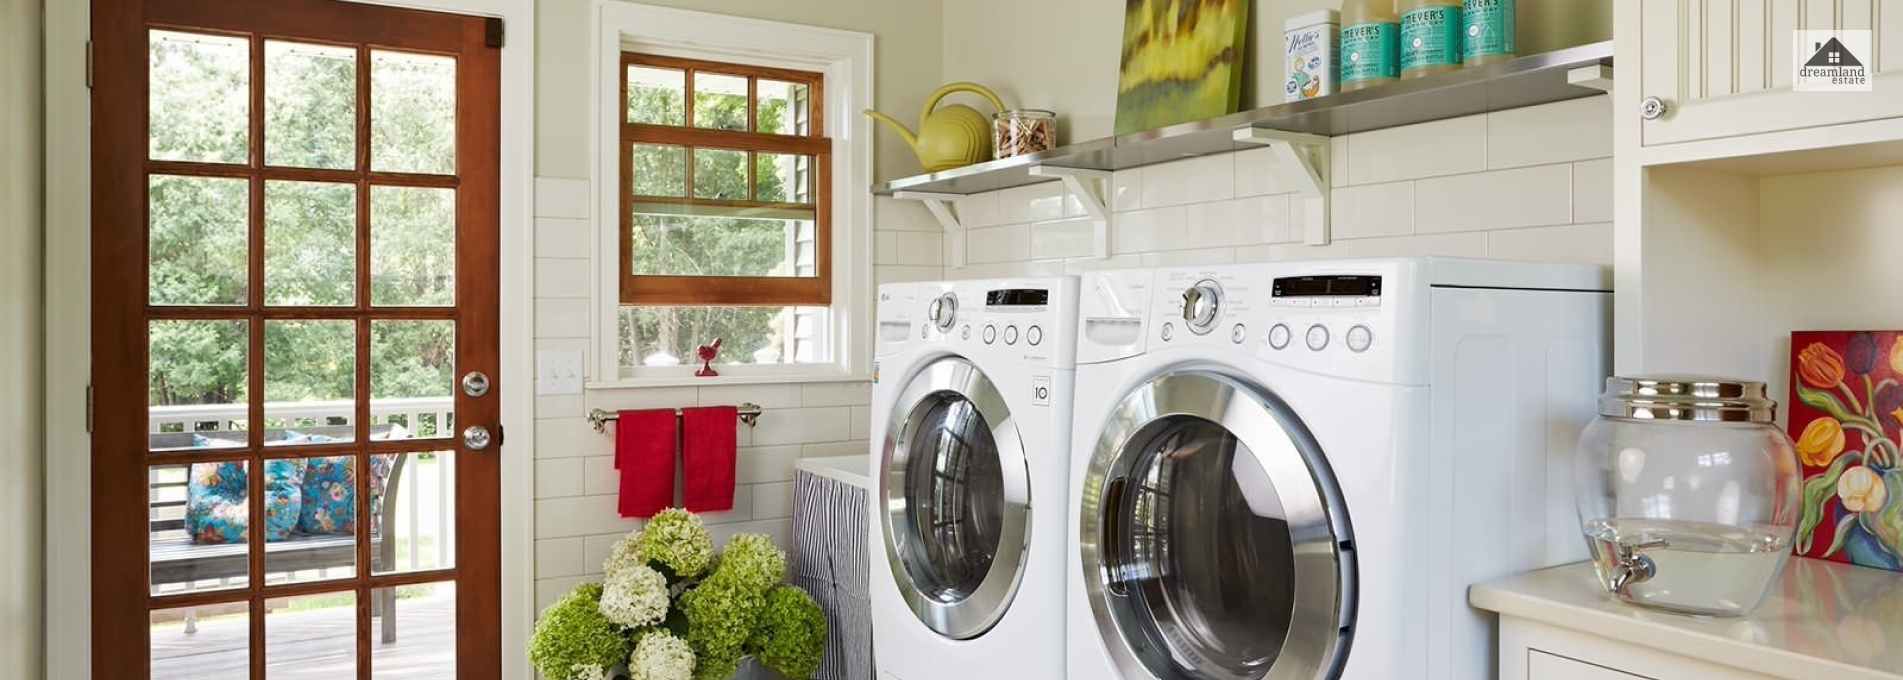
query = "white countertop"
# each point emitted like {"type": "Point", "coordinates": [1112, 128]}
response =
{"type": "Point", "coordinates": [1822, 619]}
{"type": "Point", "coordinates": [846, 469]}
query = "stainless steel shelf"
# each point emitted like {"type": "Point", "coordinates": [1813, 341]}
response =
{"type": "Point", "coordinates": [1526, 81]}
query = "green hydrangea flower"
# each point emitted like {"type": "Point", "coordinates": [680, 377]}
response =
{"type": "Point", "coordinates": [573, 633]}
{"type": "Point", "coordinates": [791, 635]}
{"type": "Point", "coordinates": [661, 656]}
{"type": "Point", "coordinates": [753, 562]}
{"type": "Point", "coordinates": [677, 540]}
{"type": "Point", "coordinates": [721, 614]}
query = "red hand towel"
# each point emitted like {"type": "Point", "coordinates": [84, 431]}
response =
{"type": "Point", "coordinates": [644, 453]}
{"type": "Point", "coordinates": [707, 454]}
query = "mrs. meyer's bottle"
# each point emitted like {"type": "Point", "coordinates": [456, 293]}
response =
{"type": "Point", "coordinates": [1430, 37]}
{"type": "Point", "coordinates": [1370, 44]}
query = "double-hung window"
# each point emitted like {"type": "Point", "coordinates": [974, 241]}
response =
{"type": "Point", "coordinates": [725, 213]}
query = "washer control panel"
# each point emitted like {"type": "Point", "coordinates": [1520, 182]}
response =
{"type": "Point", "coordinates": [1020, 319]}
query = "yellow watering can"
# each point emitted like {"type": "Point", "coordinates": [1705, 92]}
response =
{"type": "Point", "coordinates": [949, 137]}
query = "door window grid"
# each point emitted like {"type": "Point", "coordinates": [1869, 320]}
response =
{"type": "Point", "coordinates": [253, 596]}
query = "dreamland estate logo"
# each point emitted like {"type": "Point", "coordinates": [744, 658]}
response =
{"type": "Point", "coordinates": [1831, 61]}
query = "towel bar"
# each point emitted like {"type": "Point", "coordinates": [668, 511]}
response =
{"type": "Point", "coordinates": [749, 414]}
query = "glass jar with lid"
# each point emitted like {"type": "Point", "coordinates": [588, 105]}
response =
{"type": "Point", "coordinates": [1687, 493]}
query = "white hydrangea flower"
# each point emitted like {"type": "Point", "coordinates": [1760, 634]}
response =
{"type": "Point", "coordinates": [634, 597]}
{"type": "Point", "coordinates": [624, 555]}
{"type": "Point", "coordinates": [661, 656]}
{"type": "Point", "coordinates": [589, 671]}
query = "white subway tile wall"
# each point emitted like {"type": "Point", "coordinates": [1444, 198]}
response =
{"type": "Point", "coordinates": [1526, 184]}
{"type": "Point", "coordinates": [575, 482]}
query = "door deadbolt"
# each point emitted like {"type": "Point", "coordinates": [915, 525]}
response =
{"type": "Point", "coordinates": [475, 383]}
{"type": "Point", "coordinates": [476, 437]}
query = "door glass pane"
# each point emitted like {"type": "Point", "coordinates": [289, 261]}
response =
{"type": "Point", "coordinates": [412, 378]}
{"type": "Point", "coordinates": [412, 246]}
{"type": "Point", "coordinates": [720, 101]}
{"type": "Point", "coordinates": [783, 178]}
{"type": "Point", "coordinates": [311, 637]}
{"type": "Point", "coordinates": [657, 96]}
{"type": "Point", "coordinates": [1202, 562]}
{"type": "Point", "coordinates": [783, 108]}
{"type": "Point", "coordinates": [412, 113]}
{"type": "Point", "coordinates": [414, 516]}
{"type": "Point", "coordinates": [206, 642]}
{"type": "Point", "coordinates": [196, 384]}
{"type": "Point", "coordinates": [413, 631]}
{"type": "Point", "coordinates": [200, 97]}
{"type": "Point", "coordinates": [954, 494]}
{"type": "Point", "coordinates": [199, 240]}
{"type": "Point", "coordinates": [668, 336]}
{"type": "Point", "coordinates": [198, 516]}
{"type": "Point", "coordinates": [311, 534]}
{"type": "Point", "coordinates": [310, 105]}
{"type": "Point", "coordinates": [310, 378]}
{"type": "Point", "coordinates": [660, 170]}
{"type": "Point", "coordinates": [310, 243]}
{"type": "Point", "coordinates": [720, 174]}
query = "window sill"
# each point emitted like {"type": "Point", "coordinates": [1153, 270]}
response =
{"type": "Point", "coordinates": [629, 383]}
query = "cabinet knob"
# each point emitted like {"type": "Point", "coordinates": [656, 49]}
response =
{"type": "Point", "coordinates": [1652, 108]}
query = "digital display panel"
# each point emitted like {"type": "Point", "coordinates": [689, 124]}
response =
{"type": "Point", "coordinates": [1018, 297]}
{"type": "Point", "coordinates": [1328, 286]}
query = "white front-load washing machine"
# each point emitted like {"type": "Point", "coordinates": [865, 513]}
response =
{"type": "Point", "coordinates": [970, 457]}
{"type": "Point", "coordinates": [1294, 470]}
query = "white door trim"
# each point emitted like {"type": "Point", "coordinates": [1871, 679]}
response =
{"type": "Point", "coordinates": [68, 330]}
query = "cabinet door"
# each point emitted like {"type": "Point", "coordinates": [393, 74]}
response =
{"type": "Point", "coordinates": [1543, 666]}
{"type": "Point", "coordinates": [1724, 67]}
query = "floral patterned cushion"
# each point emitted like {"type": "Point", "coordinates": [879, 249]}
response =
{"type": "Point", "coordinates": [217, 507]}
{"type": "Point", "coordinates": [330, 493]}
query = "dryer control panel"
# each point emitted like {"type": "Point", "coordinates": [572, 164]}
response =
{"type": "Point", "coordinates": [1025, 320]}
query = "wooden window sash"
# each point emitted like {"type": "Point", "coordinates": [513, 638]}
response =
{"type": "Point", "coordinates": [731, 291]}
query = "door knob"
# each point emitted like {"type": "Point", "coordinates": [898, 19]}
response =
{"type": "Point", "coordinates": [476, 437]}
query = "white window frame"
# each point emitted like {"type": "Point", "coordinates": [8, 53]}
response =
{"type": "Point", "coordinates": [845, 58]}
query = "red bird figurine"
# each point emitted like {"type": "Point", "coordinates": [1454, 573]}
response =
{"type": "Point", "coordinates": [707, 354]}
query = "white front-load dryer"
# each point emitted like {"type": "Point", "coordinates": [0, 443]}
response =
{"type": "Point", "coordinates": [971, 415]}
{"type": "Point", "coordinates": [1293, 471]}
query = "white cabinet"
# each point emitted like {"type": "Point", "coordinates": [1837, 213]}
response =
{"type": "Point", "coordinates": [1723, 68]}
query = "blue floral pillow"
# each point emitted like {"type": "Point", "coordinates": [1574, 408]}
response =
{"type": "Point", "coordinates": [330, 494]}
{"type": "Point", "coordinates": [217, 508]}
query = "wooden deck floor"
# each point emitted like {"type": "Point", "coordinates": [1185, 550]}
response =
{"type": "Point", "coordinates": [318, 644]}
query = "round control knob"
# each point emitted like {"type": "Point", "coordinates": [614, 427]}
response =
{"type": "Point", "coordinates": [1238, 333]}
{"type": "Point", "coordinates": [1169, 329]}
{"type": "Point", "coordinates": [1360, 338]}
{"type": "Point", "coordinates": [1317, 337]}
{"type": "Point", "coordinates": [1201, 305]}
{"type": "Point", "coordinates": [1279, 335]}
{"type": "Point", "coordinates": [1010, 335]}
{"type": "Point", "coordinates": [1035, 336]}
{"type": "Point", "coordinates": [943, 311]}
{"type": "Point", "coordinates": [991, 334]}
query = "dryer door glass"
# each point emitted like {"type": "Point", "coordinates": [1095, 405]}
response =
{"type": "Point", "coordinates": [957, 499]}
{"type": "Point", "coordinates": [1214, 543]}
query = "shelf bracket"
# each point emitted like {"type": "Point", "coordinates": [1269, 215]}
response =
{"type": "Point", "coordinates": [1093, 199]}
{"type": "Point", "coordinates": [941, 206]}
{"type": "Point", "coordinates": [1303, 162]}
{"type": "Point", "coordinates": [1592, 76]}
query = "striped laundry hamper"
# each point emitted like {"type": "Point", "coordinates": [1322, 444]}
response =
{"type": "Point", "coordinates": [831, 563]}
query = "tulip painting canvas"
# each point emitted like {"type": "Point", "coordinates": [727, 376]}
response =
{"type": "Point", "coordinates": [1846, 418]}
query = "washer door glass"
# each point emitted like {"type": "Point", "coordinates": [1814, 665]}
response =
{"type": "Point", "coordinates": [1215, 545]}
{"type": "Point", "coordinates": [954, 497]}
{"type": "Point", "coordinates": [957, 499]}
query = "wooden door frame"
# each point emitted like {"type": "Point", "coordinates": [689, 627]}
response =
{"type": "Point", "coordinates": [68, 333]}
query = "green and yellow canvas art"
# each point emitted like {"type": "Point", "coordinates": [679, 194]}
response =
{"type": "Point", "coordinates": [1182, 61]}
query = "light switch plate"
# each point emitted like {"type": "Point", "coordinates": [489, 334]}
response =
{"type": "Point", "coordinates": [558, 371]}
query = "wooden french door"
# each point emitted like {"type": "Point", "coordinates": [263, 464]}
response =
{"type": "Point", "coordinates": [296, 418]}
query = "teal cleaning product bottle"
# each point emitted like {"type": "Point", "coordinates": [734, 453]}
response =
{"type": "Point", "coordinates": [1370, 44]}
{"type": "Point", "coordinates": [1430, 37]}
{"type": "Point", "coordinates": [1487, 31]}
